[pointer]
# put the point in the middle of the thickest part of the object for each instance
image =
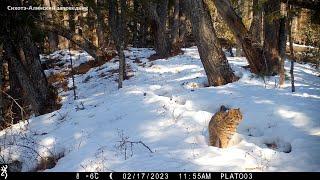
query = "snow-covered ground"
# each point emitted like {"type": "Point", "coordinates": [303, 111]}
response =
{"type": "Point", "coordinates": [166, 106]}
{"type": "Point", "coordinates": [63, 60]}
{"type": "Point", "coordinates": [301, 45]}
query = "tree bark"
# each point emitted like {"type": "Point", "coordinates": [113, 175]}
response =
{"type": "Point", "coordinates": [14, 114]}
{"type": "Point", "coordinates": [117, 22]}
{"type": "Point", "coordinates": [79, 40]}
{"type": "Point", "coordinates": [282, 49]}
{"type": "Point", "coordinates": [212, 57]}
{"type": "Point", "coordinates": [182, 24]}
{"type": "Point", "coordinates": [5, 87]}
{"type": "Point", "coordinates": [52, 38]}
{"type": "Point", "coordinates": [256, 24]}
{"type": "Point", "coordinates": [23, 58]}
{"type": "Point", "coordinates": [271, 34]}
{"type": "Point", "coordinates": [100, 28]}
{"type": "Point", "coordinates": [135, 40]}
{"type": "Point", "coordinates": [289, 26]}
{"type": "Point", "coordinates": [253, 52]}
{"type": "Point", "coordinates": [143, 21]}
{"type": "Point", "coordinates": [34, 94]}
{"type": "Point", "coordinates": [175, 26]}
{"type": "Point", "coordinates": [157, 12]}
{"type": "Point", "coordinates": [2, 122]}
{"type": "Point", "coordinates": [71, 24]}
{"type": "Point", "coordinates": [122, 65]}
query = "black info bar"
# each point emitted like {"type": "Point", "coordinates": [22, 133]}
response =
{"type": "Point", "coordinates": [160, 175]}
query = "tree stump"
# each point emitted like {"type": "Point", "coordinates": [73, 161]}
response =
{"type": "Point", "coordinates": [223, 125]}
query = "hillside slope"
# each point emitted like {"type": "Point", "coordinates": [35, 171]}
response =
{"type": "Point", "coordinates": [166, 107]}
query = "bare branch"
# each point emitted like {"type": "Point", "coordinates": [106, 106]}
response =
{"type": "Point", "coordinates": [21, 108]}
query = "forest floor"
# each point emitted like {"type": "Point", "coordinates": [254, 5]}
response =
{"type": "Point", "coordinates": [166, 106]}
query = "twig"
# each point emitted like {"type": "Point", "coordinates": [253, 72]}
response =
{"type": "Point", "coordinates": [21, 108]}
{"type": "Point", "coordinates": [27, 147]}
{"type": "Point", "coordinates": [124, 141]}
{"type": "Point", "coordinates": [136, 142]}
{"type": "Point", "coordinates": [144, 146]}
{"type": "Point", "coordinates": [72, 74]}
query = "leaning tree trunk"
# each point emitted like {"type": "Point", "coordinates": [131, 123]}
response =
{"type": "Point", "coordinates": [23, 58]}
{"type": "Point", "coordinates": [24, 61]}
{"type": "Point", "coordinates": [77, 39]}
{"type": "Point", "coordinates": [32, 62]}
{"type": "Point", "coordinates": [212, 57]}
{"type": "Point", "coordinates": [253, 52]}
{"type": "Point", "coordinates": [34, 93]}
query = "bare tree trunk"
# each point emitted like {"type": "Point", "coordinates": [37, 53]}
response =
{"type": "Point", "coordinates": [135, 37]}
{"type": "Point", "coordinates": [157, 12]}
{"type": "Point", "coordinates": [100, 28]}
{"type": "Point", "coordinates": [256, 24]}
{"type": "Point", "coordinates": [282, 49]}
{"type": "Point", "coordinates": [122, 65]}
{"type": "Point", "coordinates": [23, 58]}
{"type": "Point", "coordinates": [53, 41]}
{"type": "Point", "coordinates": [77, 39]}
{"type": "Point", "coordinates": [72, 23]}
{"type": "Point", "coordinates": [289, 26]}
{"type": "Point", "coordinates": [253, 52]}
{"type": "Point", "coordinates": [5, 87]}
{"type": "Point", "coordinates": [271, 34]}
{"type": "Point", "coordinates": [2, 122]}
{"type": "Point", "coordinates": [91, 30]}
{"type": "Point", "coordinates": [35, 97]}
{"type": "Point", "coordinates": [52, 38]}
{"type": "Point", "coordinates": [212, 57]}
{"type": "Point", "coordinates": [293, 88]}
{"type": "Point", "coordinates": [183, 24]}
{"type": "Point", "coordinates": [143, 22]}
{"type": "Point", "coordinates": [175, 26]}
{"type": "Point", "coordinates": [72, 73]}
{"type": "Point", "coordinates": [143, 33]}
{"type": "Point", "coordinates": [117, 22]}
{"type": "Point", "coordinates": [63, 41]}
